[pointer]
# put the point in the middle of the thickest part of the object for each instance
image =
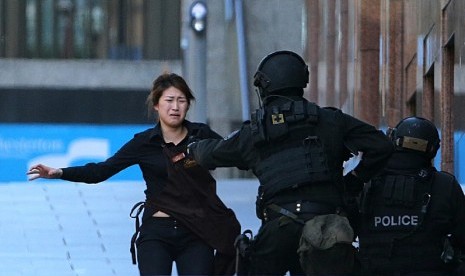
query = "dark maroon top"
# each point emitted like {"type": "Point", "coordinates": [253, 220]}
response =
{"type": "Point", "coordinates": [176, 184]}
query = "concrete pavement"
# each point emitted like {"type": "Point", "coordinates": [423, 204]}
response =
{"type": "Point", "coordinates": [69, 229]}
{"type": "Point", "coordinates": [53, 227]}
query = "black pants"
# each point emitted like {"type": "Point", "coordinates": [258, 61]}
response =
{"type": "Point", "coordinates": [274, 250]}
{"type": "Point", "coordinates": [163, 241]}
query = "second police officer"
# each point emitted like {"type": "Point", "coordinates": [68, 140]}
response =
{"type": "Point", "coordinates": [296, 149]}
{"type": "Point", "coordinates": [413, 216]}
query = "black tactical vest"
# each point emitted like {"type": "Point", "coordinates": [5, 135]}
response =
{"type": "Point", "coordinates": [394, 211]}
{"type": "Point", "coordinates": [291, 150]}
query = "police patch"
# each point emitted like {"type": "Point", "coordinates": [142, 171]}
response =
{"type": "Point", "coordinates": [398, 221]}
{"type": "Point", "coordinates": [392, 221]}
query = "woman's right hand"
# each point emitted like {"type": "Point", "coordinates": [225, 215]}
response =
{"type": "Point", "coordinates": [42, 171]}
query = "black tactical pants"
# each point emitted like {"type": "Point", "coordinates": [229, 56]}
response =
{"type": "Point", "coordinates": [274, 250]}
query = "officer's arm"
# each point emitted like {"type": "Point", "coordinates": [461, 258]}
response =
{"type": "Point", "coordinates": [458, 202]}
{"type": "Point", "coordinates": [373, 143]}
{"type": "Point", "coordinates": [213, 153]}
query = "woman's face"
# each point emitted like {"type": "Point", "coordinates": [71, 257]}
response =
{"type": "Point", "coordinates": [172, 107]}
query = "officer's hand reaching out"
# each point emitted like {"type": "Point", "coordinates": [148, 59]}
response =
{"type": "Point", "coordinates": [42, 171]}
{"type": "Point", "coordinates": [192, 140]}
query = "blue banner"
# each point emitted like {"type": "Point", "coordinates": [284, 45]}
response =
{"type": "Point", "coordinates": [24, 145]}
{"type": "Point", "coordinates": [59, 145]}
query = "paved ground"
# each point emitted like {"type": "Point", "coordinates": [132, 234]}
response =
{"type": "Point", "coordinates": [66, 229]}
{"type": "Point", "coordinates": [62, 228]}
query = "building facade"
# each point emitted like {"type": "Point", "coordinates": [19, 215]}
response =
{"type": "Point", "coordinates": [380, 60]}
{"type": "Point", "coordinates": [384, 60]}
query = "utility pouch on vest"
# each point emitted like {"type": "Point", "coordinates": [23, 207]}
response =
{"type": "Point", "coordinates": [399, 190]}
{"type": "Point", "coordinates": [318, 167]}
{"type": "Point", "coordinates": [278, 128]}
{"type": "Point", "coordinates": [257, 127]}
{"type": "Point", "coordinates": [365, 195]}
{"type": "Point", "coordinates": [293, 167]}
{"type": "Point", "coordinates": [273, 123]}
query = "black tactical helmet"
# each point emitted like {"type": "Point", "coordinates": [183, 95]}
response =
{"type": "Point", "coordinates": [280, 70]}
{"type": "Point", "coordinates": [417, 134]}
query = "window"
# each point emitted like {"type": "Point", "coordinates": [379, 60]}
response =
{"type": "Point", "coordinates": [91, 106]}
{"type": "Point", "coordinates": [91, 29]}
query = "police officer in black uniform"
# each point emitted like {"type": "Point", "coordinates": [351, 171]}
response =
{"type": "Point", "coordinates": [296, 149]}
{"type": "Point", "coordinates": [413, 217]}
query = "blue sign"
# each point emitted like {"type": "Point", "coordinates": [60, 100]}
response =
{"type": "Point", "coordinates": [58, 146]}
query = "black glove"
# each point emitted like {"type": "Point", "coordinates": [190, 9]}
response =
{"type": "Point", "coordinates": [190, 141]}
{"type": "Point", "coordinates": [243, 242]}
{"type": "Point", "coordinates": [353, 184]}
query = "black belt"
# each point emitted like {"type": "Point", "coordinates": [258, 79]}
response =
{"type": "Point", "coordinates": [298, 211]}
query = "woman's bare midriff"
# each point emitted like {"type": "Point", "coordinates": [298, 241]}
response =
{"type": "Point", "coordinates": [160, 214]}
